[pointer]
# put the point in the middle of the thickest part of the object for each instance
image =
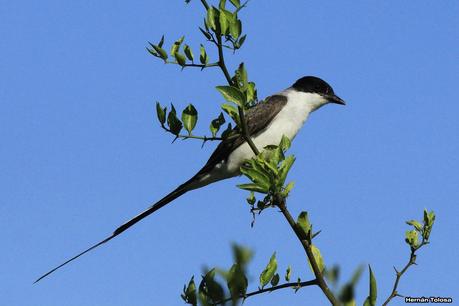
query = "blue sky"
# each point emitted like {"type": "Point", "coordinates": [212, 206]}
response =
{"type": "Point", "coordinates": [82, 152]}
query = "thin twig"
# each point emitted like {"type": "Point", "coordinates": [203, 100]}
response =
{"type": "Point", "coordinates": [399, 274]}
{"type": "Point", "coordinates": [244, 129]}
{"type": "Point", "coordinates": [204, 138]}
{"type": "Point", "coordinates": [202, 66]}
{"type": "Point", "coordinates": [274, 288]}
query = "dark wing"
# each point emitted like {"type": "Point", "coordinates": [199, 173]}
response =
{"type": "Point", "coordinates": [257, 117]}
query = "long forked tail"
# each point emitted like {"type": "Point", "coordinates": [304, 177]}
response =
{"type": "Point", "coordinates": [161, 203]}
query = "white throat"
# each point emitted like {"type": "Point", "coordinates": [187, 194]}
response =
{"type": "Point", "coordinates": [305, 100]}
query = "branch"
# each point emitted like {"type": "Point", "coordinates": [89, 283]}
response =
{"type": "Point", "coordinates": [296, 285]}
{"type": "Point", "coordinates": [204, 2]}
{"type": "Point", "coordinates": [204, 138]}
{"type": "Point", "coordinates": [319, 280]}
{"type": "Point", "coordinates": [399, 274]}
{"type": "Point", "coordinates": [202, 66]}
{"type": "Point", "coordinates": [307, 247]}
{"type": "Point", "coordinates": [244, 129]}
{"type": "Point", "coordinates": [222, 65]}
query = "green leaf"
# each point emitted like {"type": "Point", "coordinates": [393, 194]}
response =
{"type": "Point", "coordinates": [367, 302]}
{"type": "Point", "coordinates": [189, 118]}
{"type": "Point", "coordinates": [203, 55]}
{"type": "Point", "coordinates": [180, 58]}
{"type": "Point", "coordinates": [205, 33]}
{"type": "Point", "coordinates": [176, 46]}
{"type": "Point", "coordinates": [162, 53]}
{"type": "Point", "coordinates": [275, 280]}
{"type": "Point", "coordinates": [287, 189]}
{"type": "Point", "coordinates": [211, 288]}
{"type": "Point", "coordinates": [232, 94]}
{"type": "Point", "coordinates": [224, 22]}
{"type": "Point", "coordinates": [304, 224]}
{"type": "Point", "coordinates": [269, 168]}
{"type": "Point", "coordinates": [251, 92]}
{"type": "Point", "coordinates": [161, 113]}
{"type": "Point", "coordinates": [241, 255]}
{"type": "Point", "coordinates": [285, 168]}
{"type": "Point", "coordinates": [188, 52]}
{"type": "Point", "coordinates": [175, 125]}
{"type": "Point", "coordinates": [251, 199]}
{"type": "Point", "coordinates": [161, 42]}
{"type": "Point", "coordinates": [237, 282]}
{"type": "Point", "coordinates": [417, 225]}
{"type": "Point", "coordinates": [264, 167]}
{"type": "Point", "coordinates": [288, 274]}
{"type": "Point", "coordinates": [241, 77]}
{"type": "Point", "coordinates": [285, 143]}
{"type": "Point", "coordinates": [347, 294]}
{"type": "Point", "coordinates": [212, 15]}
{"type": "Point", "coordinates": [268, 272]}
{"type": "Point", "coordinates": [318, 257]}
{"type": "Point", "coordinates": [228, 131]}
{"type": "Point", "coordinates": [350, 303]}
{"type": "Point", "coordinates": [232, 112]}
{"type": "Point", "coordinates": [429, 218]}
{"type": "Point", "coordinates": [411, 237]}
{"type": "Point", "coordinates": [152, 52]}
{"type": "Point", "coordinates": [253, 187]}
{"type": "Point", "coordinates": [373, 288]}
{"type": "Point", "coordinates": [272, 155]}
{"type": "Point", "coordinates": [256, 172]}
{"type": "Point", "coordinates": [258, 177]}
{"type": "Point", "coordinates": [236, 3]}
{"type": "Point", "coordinates": [332, 274]}
{"type": "Point", "coordinates": [357, 274]}
{"type": "Point", "coordinates": [235, 28]}
{"type": "Point", "coordinates": [189, 293]}
{"type": "Point", "coordinates": [222, 4]}
{"type": "Point", "coordinates": [240, 42]}
{"type": "Point", "coordinates": [216, 124]}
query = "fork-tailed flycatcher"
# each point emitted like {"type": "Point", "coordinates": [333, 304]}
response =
{"type": "Point", "coordinates": [281, 114]}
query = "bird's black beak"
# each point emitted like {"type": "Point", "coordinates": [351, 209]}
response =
{"type": "Point", "coordinates": [335, 99]}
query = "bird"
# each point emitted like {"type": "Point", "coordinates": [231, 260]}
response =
{"type": "Point", "coordinates": [281, 114]}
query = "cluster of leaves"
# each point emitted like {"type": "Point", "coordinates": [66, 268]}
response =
{"type": "Point", "coordinates": [305, 227]}
{"type": "Point", "coordinates": [219, 286]}
{"type": "Point", "coordinates": [222, 21]}
{"type": "Point", "coordinates": [268, 172]}
{"type": "Point", "coordinates": [170, 122]}
{"type": "Point", "coordinates": [211, 289]}
{"type": "Point", "coordinates": [219, 22]}
{"type": "Point", "coordinates": [244, 96]}
{"type": "Point", "coordinates": [242, 93]}
{"type": "Point", "coordinates": [183, 58]}
{"type": "Point", "coordinates": [420, 228]}
{"type": "Point", "coordinates": [346, 292]}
